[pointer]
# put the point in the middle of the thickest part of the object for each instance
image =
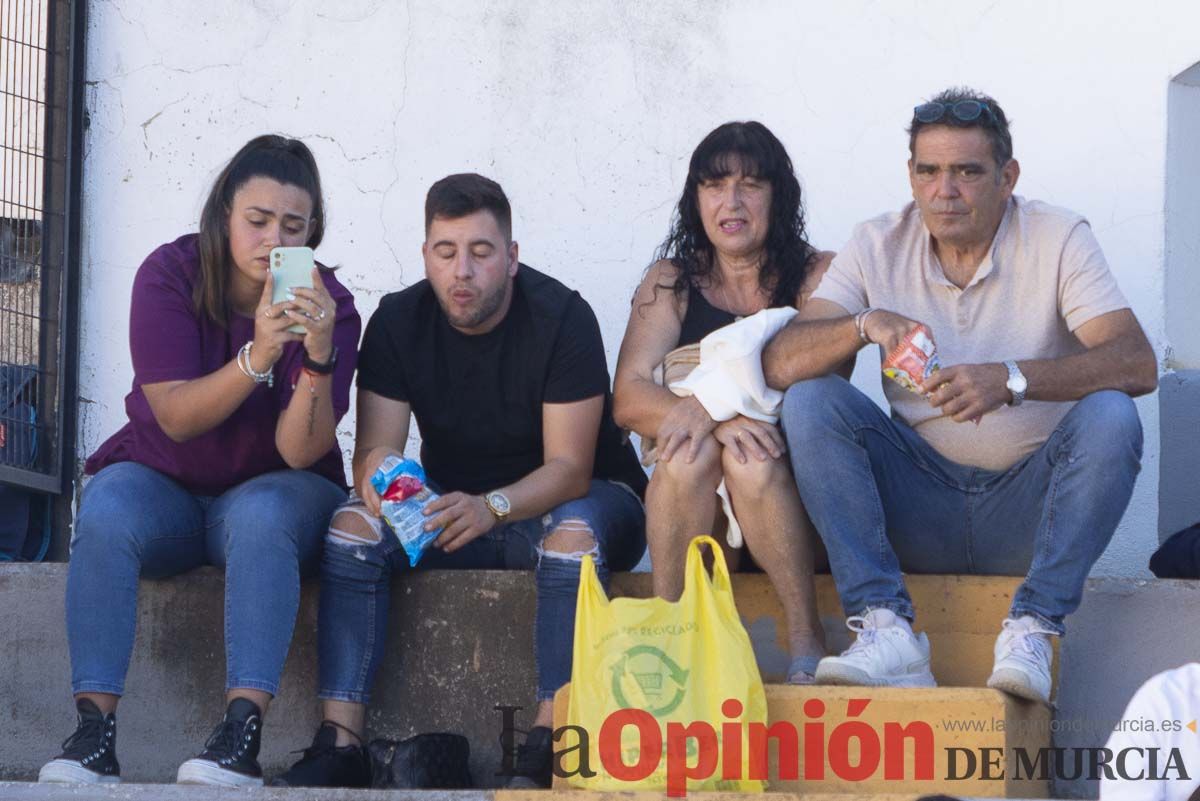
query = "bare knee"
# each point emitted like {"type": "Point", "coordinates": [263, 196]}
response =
{"type": "Point", "coordinates": [703, 474]}
{"type": "Point", "coordinates": [572, 537]}
{"type": "Point", "coordinates": [350, 529]}
{"type": "Point", "coordinates": [755, 478]}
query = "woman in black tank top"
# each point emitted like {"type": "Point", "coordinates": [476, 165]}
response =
{"type": "Point", "coordinates": [737, 246]}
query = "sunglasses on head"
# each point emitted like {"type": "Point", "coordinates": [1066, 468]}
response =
{"type": "Point", "coordinates": [963, 110]}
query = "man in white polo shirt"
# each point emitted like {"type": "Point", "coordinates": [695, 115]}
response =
{"type": "Point", "coordinates": [1020, 456]}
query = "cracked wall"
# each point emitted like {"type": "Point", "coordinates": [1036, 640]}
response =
{"type": "Point", "coordinates": [587, 113]}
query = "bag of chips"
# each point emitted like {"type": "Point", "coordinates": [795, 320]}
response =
{"type": "Point", "coordinates": [913, 360]}
{"type": "Point", "coordinates": [401, 485]}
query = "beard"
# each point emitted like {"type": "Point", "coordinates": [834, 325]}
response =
{"type": "Point", "coordinates": [485, 307]}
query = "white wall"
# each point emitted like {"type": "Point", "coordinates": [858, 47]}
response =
{"type": "Point", "coordinates": [587, 112]}
{"type": "Point", "coordinates": [1182, 285]}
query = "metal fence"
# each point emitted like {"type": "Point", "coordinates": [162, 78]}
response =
{"type": "Point", "coordinates": [40, 92]}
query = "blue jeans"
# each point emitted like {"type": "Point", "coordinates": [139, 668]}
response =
{"type": "Point", "coordinates": [355, 582]}
{"type": "Point", "coordinates": [883, 500]}
{"type": "Point", "coordinates": [134, 521]}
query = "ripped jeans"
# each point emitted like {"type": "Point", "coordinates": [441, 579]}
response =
{"type": "Point", "coordinates": [356, 578]}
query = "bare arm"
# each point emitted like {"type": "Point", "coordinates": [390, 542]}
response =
{"type": "Point", "coordinates": [381, 429]}
{"type": "Point", "coordinates": [187, 409]}
{"type": "Point", "coordinates": [821, 339]}
{"type": "Point", "coordinates": [639, 404]}
{"type": "Point", "coordinates": [569, 432]}
{"type": "Point", "coordinates": [307, 429]}
{"type": "Point", "coordinates": [1117, 356]}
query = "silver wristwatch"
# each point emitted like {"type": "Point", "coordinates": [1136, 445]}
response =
{"type": "Point", "coordinates": [1017, 384]}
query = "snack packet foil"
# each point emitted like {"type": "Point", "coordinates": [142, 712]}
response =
{"type": "Point", "coordinates": [913, 360]}
{"type": "Point", "coordinates": [401, 485]}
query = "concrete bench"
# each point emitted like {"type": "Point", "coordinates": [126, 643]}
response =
{"type": "Point", "coordinates": [461, 643]}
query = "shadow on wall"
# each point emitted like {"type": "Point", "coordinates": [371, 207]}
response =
{"type": "Point", "coordinates": [1179, 390]}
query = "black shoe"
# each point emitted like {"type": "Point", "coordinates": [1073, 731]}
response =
{"type": "Point", "coordinates": [90, 754]}
{"type": "Point", "coordinates": [535, 758]}
{"type": "Point", "coordinates": [326, 765]}
{"type": "Point", "coordinates": [230, 757]}
{"type": "Point", "coordinates": [430, 761]}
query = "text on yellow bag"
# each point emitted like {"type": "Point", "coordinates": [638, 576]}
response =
{"type": "Point", "coordinates": [664, 690]}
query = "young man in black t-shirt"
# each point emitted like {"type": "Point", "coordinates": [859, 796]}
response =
{"type": "Point", "coordinates": [504, 369]}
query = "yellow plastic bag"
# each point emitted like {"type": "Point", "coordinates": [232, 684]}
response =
{"type": "Point", "coordinates": [663, 690]}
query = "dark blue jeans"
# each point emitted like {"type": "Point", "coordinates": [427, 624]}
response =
{"type": "Point", "coordinates": [134, 521]}
{"type": "Point", "coordinates": [883, 500]}
{"type": "Point", "coordinates": [355, 583]}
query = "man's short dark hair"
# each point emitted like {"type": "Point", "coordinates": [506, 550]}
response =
{"type": "Point", "coordinates": [458, 195]}
{"type": "Point", "coordinates": [992, 122]}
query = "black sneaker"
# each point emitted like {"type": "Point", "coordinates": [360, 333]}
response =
{"type": "Point", "coordinates": [326, 765]}
{"type": "Point", "coordinates": [90, 754]}
{"type": "Point", "coordinates": [230, 757]}
{"type": "Point", "coordinates": [535, 757]}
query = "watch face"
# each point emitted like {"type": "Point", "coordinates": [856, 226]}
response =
{"type": "Point", "coordinates": [499, 503]}
{"type": "Point", "coordinates": [1018, 383]}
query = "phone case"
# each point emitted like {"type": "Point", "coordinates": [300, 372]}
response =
{"type": "Point", "coordinates": [291, 267]}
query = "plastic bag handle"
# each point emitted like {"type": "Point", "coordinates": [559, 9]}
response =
{"type": "Point", "coordinates": [589, 585]}
{"type": "Point", "coordinates": [695, 566]}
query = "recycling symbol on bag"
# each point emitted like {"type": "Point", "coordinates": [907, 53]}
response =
{"type": "Point", "coordinates": [646, 678]}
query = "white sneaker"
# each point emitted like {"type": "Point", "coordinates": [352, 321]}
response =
{"type": "Point", "coordinates": [1023, 656]}
{"type": "Point", "coordinates": [885, 654]}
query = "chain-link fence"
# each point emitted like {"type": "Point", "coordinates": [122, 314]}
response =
{"type": "Point", "coordinates": [38, 166]}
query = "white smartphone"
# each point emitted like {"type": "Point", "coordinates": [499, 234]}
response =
{"type": "Point", "coordinates": [291, 267]}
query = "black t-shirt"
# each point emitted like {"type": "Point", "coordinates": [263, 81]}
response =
{"type": "Point", "coordinates": [478, 399]}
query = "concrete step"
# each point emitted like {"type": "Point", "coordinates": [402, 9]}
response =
{"type": "Point", "coordinates": [940, 739]}
{"type": "Point", "coordinates": [960, 614]}
{"type": "Point", "coordinates": [461, 643]}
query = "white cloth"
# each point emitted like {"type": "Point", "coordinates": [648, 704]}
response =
{"type": "Point", "coordinates": [729, 381]}
{"type": "Point", "coordinates": [1162, 714]}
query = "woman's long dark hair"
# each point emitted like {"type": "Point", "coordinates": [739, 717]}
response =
{"type": "Point", "coordinates": [755, 149]}
{"type": "Point", "coordinates": [288, 161]}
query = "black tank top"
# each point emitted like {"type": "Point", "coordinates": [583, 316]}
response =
{"type": "Point", "coordinates": [702, 318]}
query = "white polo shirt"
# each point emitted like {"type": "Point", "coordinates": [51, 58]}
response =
{"type": "Point", "coordinates": [1043, 278]}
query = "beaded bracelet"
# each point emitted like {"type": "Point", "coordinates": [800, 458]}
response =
{"type": "Point", "coordinates": [243, 362]}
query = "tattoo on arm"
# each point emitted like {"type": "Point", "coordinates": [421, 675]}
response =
{"type": "Point", "coordinates": [312, 415]}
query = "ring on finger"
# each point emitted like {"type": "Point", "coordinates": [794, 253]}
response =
{"type": "Point", "coordinates": [321, 316]}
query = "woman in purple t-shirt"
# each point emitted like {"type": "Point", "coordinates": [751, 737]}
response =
{"type": "Point", "coordinates": [230, 456]}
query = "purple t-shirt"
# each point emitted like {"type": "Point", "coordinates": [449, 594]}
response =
{"type": "Point", "coordinates": [170, 341]}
